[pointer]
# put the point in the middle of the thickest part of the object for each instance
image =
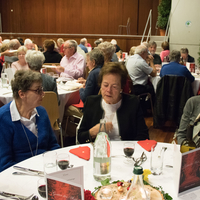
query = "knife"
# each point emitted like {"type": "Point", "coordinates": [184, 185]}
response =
{"type": "Point", "coordinates": [37, 172]}
{"type": "Point", "coordinates": [6, 194]}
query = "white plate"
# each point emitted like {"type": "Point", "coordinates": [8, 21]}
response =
{"type": "Point", "coordinates": [49, 66]}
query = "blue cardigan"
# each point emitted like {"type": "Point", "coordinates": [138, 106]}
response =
{"type": "Point", "coordinates": [14, 146]}
{"type": "Point", "coordinates": [91, 86]}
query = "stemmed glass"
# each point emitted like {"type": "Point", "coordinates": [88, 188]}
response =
{"type": "Point", "coordinates": [41, 184]}
{"type": "Point", "coordinates": [63, 160]}
{"type": "Point", "coordinates": [128, 151]}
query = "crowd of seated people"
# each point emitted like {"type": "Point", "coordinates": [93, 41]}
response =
{"type": "Point", "coordinates": [123, 112]}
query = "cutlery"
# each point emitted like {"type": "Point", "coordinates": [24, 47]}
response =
{"type": "Point", "coordinates": [29, 174]}
{"type": "Point", "coordinates": [36, 172]}
{"type": "Point", "coordinates": [15, 196]}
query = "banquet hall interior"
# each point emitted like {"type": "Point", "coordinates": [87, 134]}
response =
{"type": "Point", "coordinates": [122, 20]}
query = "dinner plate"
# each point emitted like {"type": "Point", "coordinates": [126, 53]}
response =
{"type": "Point", "coordinates": [49, 66]}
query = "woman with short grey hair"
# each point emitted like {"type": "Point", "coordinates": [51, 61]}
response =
{"type": "Point", "coordinates": [25, 127]}
{"type": "Point", "coordinates": [35, 60]}
{"type": "Point", "coordinates": [95, 61]}
{"type": "Point", "coordinates": [108, 50]}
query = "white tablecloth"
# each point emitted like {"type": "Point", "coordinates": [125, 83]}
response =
{"type": "Point", "coordinates": [64, 94]}
{"type": "Point", "coordinates": [27, 185]}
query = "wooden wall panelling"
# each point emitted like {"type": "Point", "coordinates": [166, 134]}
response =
{"type": "Point", "coordinates": [33, 17]}
{"type": "Point", "coordinates": [144, 8]}
{"type": "Point", "coordinates": [130, 9]}
{"type": "Point", "coordinates": [88, 16]}
{"type": "Point", "coordinates": [101, 16]}
{"type": "Point", "coordinates": [115, 10]}
{"type": "Point", "coordinates": [74, 18]}
{"type": "Point", "coordinates": [154, 17]}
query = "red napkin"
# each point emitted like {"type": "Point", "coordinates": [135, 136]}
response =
{"type": "Point", "coordinates": [147, 144]}
{"type": "Point", "coordinates": [81, 152]}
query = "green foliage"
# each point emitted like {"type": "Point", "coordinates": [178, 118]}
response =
{"type": "Point", "coordinates": [163, 13]}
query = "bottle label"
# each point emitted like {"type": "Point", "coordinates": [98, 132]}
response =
{"type": "Point", "coordinates": [101, 165]}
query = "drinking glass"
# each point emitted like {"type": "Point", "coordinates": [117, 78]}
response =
{"type": "Point", "coordinates": [128, 151]}
{"type": "Point", "coordinates": [4, 80]}
{"type": "Point", "coordinates": [41, 185]}
{"type": "Point", "coordinates": [63, 160]}
{"type": "Point", "coordinates": [156, 162]}
{"type": "Point", "coordinates": [49, 158]}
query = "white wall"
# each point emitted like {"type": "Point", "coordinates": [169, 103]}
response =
{"type": "Point", "coordinates": [182, 35]}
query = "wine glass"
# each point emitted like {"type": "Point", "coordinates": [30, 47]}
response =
{"type": "Point", "coordinates": [63, 160]}
{"type": "Point", "coordinates": [128, 151]}
{"type": "Point", "coordinates": [41, 184]}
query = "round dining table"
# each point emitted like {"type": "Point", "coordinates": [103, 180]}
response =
{"type": "Point", "coordinates": [27, 185]}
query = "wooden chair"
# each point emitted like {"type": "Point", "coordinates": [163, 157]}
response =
{"type": "Point", "coordinates": [127, 26]}
{"type": "Point", "coordinates": [50, 103]}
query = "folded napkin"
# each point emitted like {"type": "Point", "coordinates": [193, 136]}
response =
{"type": "Point", "coordinates": [81, 152]}
{"type": "Point", "coordinates": [147, 144]}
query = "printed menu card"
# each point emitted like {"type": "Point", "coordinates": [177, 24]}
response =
{"type": "Point", "coordinates": [66, 184]}
{"type": "Point", "coordinates": [187, 171]}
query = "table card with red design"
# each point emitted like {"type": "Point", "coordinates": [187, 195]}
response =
{"type": "Point", "coordinates": [66, 184]}
{"type": "Point", "coordinates": [186, 171]}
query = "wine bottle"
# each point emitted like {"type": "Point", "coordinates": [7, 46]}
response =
{"type": "Point", "coordinates": [102, 154]}
{"type": "Point", "coordinates": [137, 190]}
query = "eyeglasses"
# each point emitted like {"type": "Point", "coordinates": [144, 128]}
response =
{"type": "Point", "coordinates": [66, 47]}
{"type": "Point", "coordinates": [38, 91]}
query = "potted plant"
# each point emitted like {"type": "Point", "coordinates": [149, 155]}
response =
{"type": "Point", "coordinates": [163, 14]}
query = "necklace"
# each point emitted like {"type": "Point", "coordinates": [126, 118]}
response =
{"type": "Point", "coordinates": [29, 142]}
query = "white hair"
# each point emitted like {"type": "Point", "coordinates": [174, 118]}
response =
{"type": "Point", "coordinates": [27, 41]}
{"type": "Point", "coordinates": [140, 49]}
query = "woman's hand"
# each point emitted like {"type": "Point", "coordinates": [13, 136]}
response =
{"type": "Point", "coordinates": [95, 129]}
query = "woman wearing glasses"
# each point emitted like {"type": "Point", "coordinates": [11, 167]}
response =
{"type": "Point", "coordinates": [25, 127]}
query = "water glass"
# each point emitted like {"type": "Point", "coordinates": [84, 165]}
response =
{"type": "Point", "coordinates": [63, 161]}
{"type": "Point", "coordinates": [49, 159]}
{"type": "Point", "coordinates": [4, 80]}
{"type": "Point", "coordinates": [156, 162]}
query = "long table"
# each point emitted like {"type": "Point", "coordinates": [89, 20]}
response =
{"type": "Point", "coordinates": [27, 185]}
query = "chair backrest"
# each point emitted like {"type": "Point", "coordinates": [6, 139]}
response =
{"type": "Point", "coordinates": [171, 95]}
{"type": "Point", "coordinates": [50, 103]}
{"type": "Point", "coordinates": [128, 21]}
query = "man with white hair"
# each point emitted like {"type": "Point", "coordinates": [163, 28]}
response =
{"type": "Point", "coordinates": [28, 44]}
{"type": "Point", "coordinates": [114, 42]}
{"type": "Point", "coordinates": [82, 45]}
{"type": "Point", "coordinates": [139, 71]}
{"type": "Point", "coordinates": [72, 64]}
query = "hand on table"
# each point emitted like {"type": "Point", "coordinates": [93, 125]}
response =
{"type": "Point", "coordinates": [95, 129]}
{"type": "Point", "coordinates": [58, 69]}
{"type": "Point", "coordinates": [81, 80]}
